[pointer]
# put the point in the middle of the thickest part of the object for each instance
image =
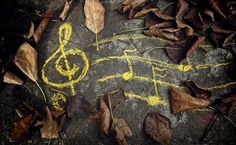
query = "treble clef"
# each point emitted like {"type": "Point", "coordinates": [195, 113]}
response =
{"type": "Point", "coordinates": [66, 70]}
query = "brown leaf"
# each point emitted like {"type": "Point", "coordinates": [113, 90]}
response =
{"type": "Point", "coordinates": [230, 99]}
{"type": "Point", "coordinates": [21, 129]}
{"type": "Point", "coordinates": [50, 127]}
{"type": "Point", "coordinates": [162, 33]}
{"type": "Point", "coordinates": [151, 20]}
{"type": "Point", "coordinates": [188, 29]}
{"type": "Point", "coordinates": [229, 39]}
{"type": "Point", "coordinates": [116, 97]}
{"type": "Point", "coordinates": [219, 29]}
{"type": "Point", "coordinates": [182, 102]}
{"type": "Point", "coordinates": [121, 130]}
{"type": "Point", "coordinates": [11, 78]}
{"type": "Point", "coordinates": [177, 51]}
{"type": "Point", "coordinates": [78, 107]}
{"type": "Point", "coordinates": [31, 30]}
{"type": "Point", "coordinates": [105, 118]}
{"type": "Point", "coordinates": [123, 126]}
{"type": "Point", "coordinates": [26, 60]}
{"type": "Point", "coordinates": [215, 4]}
{"type": "Point", "coordinates": [192, 18]}
{"type": "Point", "coordinates": [158, 127]}
{"type": "Point", "coordinates": [198, 92]}
{"type": "Point", "coordinates": [42, 25]}
{"type": "Point", "coordinates": [132, 4]}
{"type": "Point", "coordinates": [66, 9]}
{"type": "Point", "coordinates": [94, 15]}
{"type": "Point", "coordinates": [144, 12]}
{"type": "Point", "coordinates": [182, 9]}
{"type": "Point", "coordinates": [160, 15]}
{"type": "Point", "coordinates": [210, 14]}
{"type": "Point", "coordinates": [195, 45]}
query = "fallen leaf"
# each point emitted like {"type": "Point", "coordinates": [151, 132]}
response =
{"type": "Point", "coordinates": [66, 9]}
{"type": "Point", "coordinates": [121, 131]}
{"type": "Point", "coordinates": [132, 4]}
{"type": "Point", "coordinates": [230, 99]}
{"type": "Point", "coordinates": [42, 25]}
{"type": "Point", "coordinates": [94, 15]}
{"type": "Point", "coordinates": [182, 9]}
{"type": "Point", "coordinates": [50, 127]}
{"type": "Point", "coordinates": [198, 92]}
{"type": "Point", "coordinates": [188, 29]}
{"type": "Point", "coordinates": [162, 33]}
{"type": "Point", "coordinates": [105, 118]}
{"type": "Point", "coordinates": [144, 12]}
{"type": "Point", "coordinates": [26, 60]}
{"type": "Point", "coordinates": [195, 45]}
{"type": "Point", "coordinates": [21, 129]}
{"type": "Point", "coordinates": [229, 39]}
{"type": "Point", "coordinates": [219, 29]}
{"type": "Point", "coordinates": [158, 127]}
{"type": "Point", "coordinates": [177, 51]}
{"type": "Point", "coordinates": [116, 97]}
{"type": "Point", "coordinates": [210, 14]}
{"type": "Point", "coordinates": [11, 78]}
{"type": "Point", "coordinates": [123, 126]}
{"type": "Point", "coordinates": [78, 107]}
{"type": "Point", "coordinates": [215, 4]}
{"type": "Point", "coordinates": [182, 102]}
{"type": "Point", "coordinates": [160, 15]}
{"type": "Point", "coordinates": [192, 18]}
{"type": "Point", "coordinates": [31, 30]}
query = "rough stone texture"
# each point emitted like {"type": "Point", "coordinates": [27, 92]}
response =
{"type": "Point", "coordinates": [187, 126]}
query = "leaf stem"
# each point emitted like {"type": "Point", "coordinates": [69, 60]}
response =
{"type": "Point", "coordinates": [96, 35]}
{"type": "Point", "coordinates": [41, 90]}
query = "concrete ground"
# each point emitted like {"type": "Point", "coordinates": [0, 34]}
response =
{"type": "Point", "coordinates": [127, 60]}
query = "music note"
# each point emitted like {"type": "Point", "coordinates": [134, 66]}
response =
{"type": "Point", "coordinates": [129, 74]}
{"type": "Point", "coordinates": [62, 64]}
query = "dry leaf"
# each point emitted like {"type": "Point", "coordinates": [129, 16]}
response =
{"type": "Point", "coordinates": [182, 8]}
{"type": "Point", "coordinates": [144, 12]}
{"type": "Point", "coordinates": [228, 40]}
{"type": "Point", "coordinates": [210, 14]}
{"type": "Point", "coordinates": [188, 29]}
{"type": "Point", "coordinates": [198, 92]}
{"type": "Point", "coordinates": [43, 24]}
{"type": "Point", "coordinates": [116, 97]}
{"type": "Point", "coordinates": [158, 127]}
{"type": "Point", "coordinates": [66, 9]}
{"type": "Point", "coordinates": [230, 99]}
{"type": "Point", "coordinates": [192, 17]}
{"type": "Point", "coordinates": [11, 78]}
{"type": "Point", "coordinates": [31, 30]}
{"type": "Point", "coordinates": [21, 129]}
{"type": "Point", "coordinates": [26, 60]}
{"type": "Point", "coordinates": [183, 102]}
{"type": "Point", "coordinates": [94, 15]}
{"type": "Point", "coordinates": [162, 16]}
{"type": "Point", "coordinates": [50, 127]}
{"type": "Point", "coordinates": [132, 4]}
{"type": "Point", "coordinates": [162, 34]}
{"type": "Point", "coordinates": [105, 118]}
{"type": "Point", "coordinates": [195, 45]}
{"type": "Point", "coordinates": [122, 130]}
{"type": "Point", "coordinates": [123, 126]}
{"type": "Point", "coordinates": [78, 107]}
{"type": "Point", "coordinates": [215, 4]}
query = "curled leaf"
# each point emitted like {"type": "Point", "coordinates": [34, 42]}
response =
{"type": "Point", "coordinates": [215, 4]}
{"type": "Point", "coordinates": [158, 127]}
{"type": "Point", "coordinates": [198, 92]}
{"type": "Point", "coordinates": [26, 60]}
{"type": "Point", "coordinates": [43, 24]}
{"type": "Point", "coordinates": [132, 4]}
{"type": "Point", "coordinates": [182, 8]}
{"type": "Point", "coordinates": [195, 45]}
{"type": "Point", "coordinates": [66, 9]}
{"type": "Point", "coordinates": [182, 102]}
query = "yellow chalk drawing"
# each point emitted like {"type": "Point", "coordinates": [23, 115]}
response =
{"type": "Point", "coordinates": [69, 71]}
{"type": "Point", "coordinates": [55, 101]}
{"type": "Point", "coordinates": [157, 66]}
{"type": "Point", "coordinates": [159, 69]}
